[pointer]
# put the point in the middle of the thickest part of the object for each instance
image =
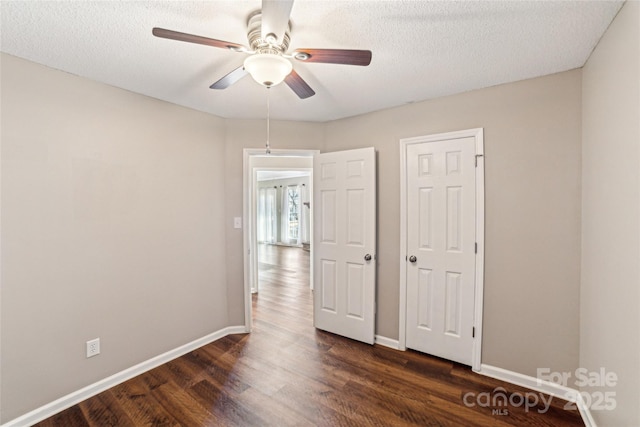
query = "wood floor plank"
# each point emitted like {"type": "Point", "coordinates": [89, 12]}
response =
{"type": "Point", "coordinates": [104, 410]}
{"type": "Point", "coordinates": [273, 411]}
{"type": "Point", "coordinates": [186, 410]}
{"type": "Point", "coordinates": [140, 406]}
{"type": "Point", "coordinates": [72, 417]}
{"type": "Point", "coordinates": [287, 373]}
{"type": "Point", "coordinates": [311, 404]}
{"type": "Point", "coordinates": [225, 404]}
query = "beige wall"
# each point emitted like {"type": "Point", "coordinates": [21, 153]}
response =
{"type": "Point", "coordinates": [113, 227]}
{"type": "Point", "coordinates": [610, 293]}
{"type": "Point", "coordinates": [532, 268]}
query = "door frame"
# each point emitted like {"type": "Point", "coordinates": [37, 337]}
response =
{"type": "Point", "coordinates": [249, 236]}
{"type": "Point", "coordinates": [478, 134]}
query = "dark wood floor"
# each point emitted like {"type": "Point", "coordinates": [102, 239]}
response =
{"type": "Point", "coordinates": [286, 373]}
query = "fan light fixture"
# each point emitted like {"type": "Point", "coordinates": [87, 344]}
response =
{"type": "Point", "coordinates": [268, 69]}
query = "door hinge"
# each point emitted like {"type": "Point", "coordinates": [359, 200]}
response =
{"type": "Point", "coordinates": [473, 332]}
{"type": "Point", "coordinates": [476, 248]}
{"type": "Point", "coordinates": [478, 155]}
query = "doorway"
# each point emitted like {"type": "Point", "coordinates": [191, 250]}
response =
{"type": "Point", "coordinates": [286, 222]}
{"type": "Point", "coordinates": [345, 203]}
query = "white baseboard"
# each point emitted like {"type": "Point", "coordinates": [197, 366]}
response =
{"type": "Point", "coordinates": [232, 330]}
{"type": "Point", "coordinates": [78, 396]}
{"type": "Point", "coordinates": [387, 342]}
{"type": "Point", "coordinates": [541, 386]}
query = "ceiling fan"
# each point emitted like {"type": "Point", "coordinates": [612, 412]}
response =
{"type": "Point", "coordinates": [268, 62]}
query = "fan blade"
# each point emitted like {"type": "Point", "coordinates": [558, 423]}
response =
{"type": "Point", "coordinates": [334, 56]}
{"type": "Point", "coordinates": [190, 38]}
{"type": "Point", "coordinates": [275, 18]}
{"type": "Point", "coordinates": [298, 85]}
{"type": "Point", "coordinates": [230, 78]}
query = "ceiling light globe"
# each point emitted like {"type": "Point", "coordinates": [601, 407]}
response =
{"type": "Point", "coordinates": [268, 69]}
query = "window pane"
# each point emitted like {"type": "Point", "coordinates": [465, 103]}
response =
{"type": "Point", "coordinates": [294, 212]}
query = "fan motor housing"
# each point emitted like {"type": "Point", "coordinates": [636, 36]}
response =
{"type": "Point", "coordinates": [260, 45]}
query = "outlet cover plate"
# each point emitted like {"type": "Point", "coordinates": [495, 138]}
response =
{"type": "Point", "coordinates": [93, 347]}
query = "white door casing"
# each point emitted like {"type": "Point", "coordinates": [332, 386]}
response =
{"type": "Point", "coordinates": [344, 243]}
{"type": "Point", "coordinates": [441, 229]}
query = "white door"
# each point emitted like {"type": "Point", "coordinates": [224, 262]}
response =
{"type": "Point", "coordinates": [344, 265]}
{"type": "Point", "coordinates": [441, 246]}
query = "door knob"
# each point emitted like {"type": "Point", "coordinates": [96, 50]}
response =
{"type": "Point", "coordinates": [367, 257]}
{"type": "Point", "coordinates": [413, 258]}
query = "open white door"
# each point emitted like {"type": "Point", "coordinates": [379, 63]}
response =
{"type": "Point", "coordinates": [344, 265]}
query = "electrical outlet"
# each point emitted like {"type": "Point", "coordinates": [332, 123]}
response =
{"type": "Point", "coordinates": [93, 347]}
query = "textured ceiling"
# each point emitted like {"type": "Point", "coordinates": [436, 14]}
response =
{"type": "Point", "coordinates": [421, 49]}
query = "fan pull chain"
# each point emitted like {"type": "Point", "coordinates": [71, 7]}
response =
{"type": "Point", "coordinates": [268, 127]}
